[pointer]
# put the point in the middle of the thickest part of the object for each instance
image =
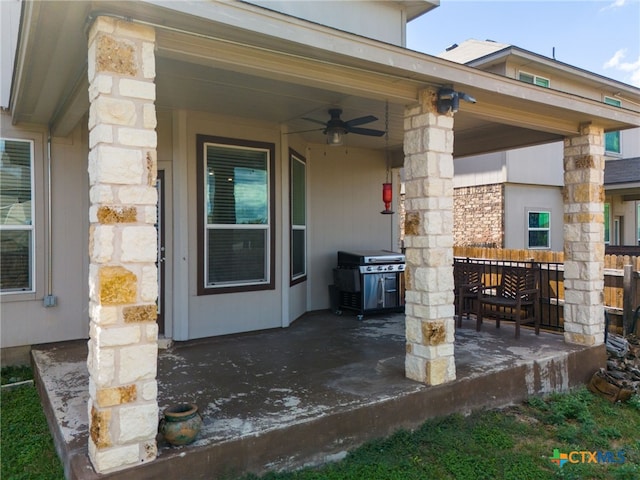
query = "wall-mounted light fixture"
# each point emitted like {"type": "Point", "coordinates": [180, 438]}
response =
{"type": "Point", "coordinates": [449, 100]}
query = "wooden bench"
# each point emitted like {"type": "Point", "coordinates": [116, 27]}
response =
{"type": "Point", "coordinates": [467, 278]}
{"type": "Point", "coordinates": [514, 298]}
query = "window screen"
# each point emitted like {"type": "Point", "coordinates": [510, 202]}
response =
{"type": "Point", "coordinates": [237, 206]}
{"type": "Point", "coordinates": [16, 214]}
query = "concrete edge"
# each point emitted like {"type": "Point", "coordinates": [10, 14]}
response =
{"type": "Point", "coordinates": [329, 437]}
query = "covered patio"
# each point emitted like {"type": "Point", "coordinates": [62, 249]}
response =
{"type": "Point", "coordinates": [283, 399]}
{"type": "Point", "coordinates": [175, 91]}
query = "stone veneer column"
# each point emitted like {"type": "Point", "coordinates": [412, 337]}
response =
{"type": "Point", "coordinates": [428, 148]}
{"type": "Point", "coordinates": [584, 237]}
{"type": "Point", "coordinates": [122, 361]}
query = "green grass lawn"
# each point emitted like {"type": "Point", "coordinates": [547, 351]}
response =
{"type": "Point", "coordinates": [512, 443]}
{"type": "Point", "coordinates": [26, 446]}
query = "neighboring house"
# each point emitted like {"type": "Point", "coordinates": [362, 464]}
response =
{"type": "Point", "coordinates": [162, 178]}
{"type": "Point", "coordinates": [513, 199]}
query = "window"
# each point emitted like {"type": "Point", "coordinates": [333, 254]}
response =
{"type": "Point", "coordinates": [538, 230]}
{"type": "Point", "coordinates": [534, 79]}
{"type": "Point", "coordinates": [607, 221]}
{"type": "Point", "coordinates": [298, 178]}
{"type": "Point", "coordinates": [612, 139]}
{"type": "Point", "coordinates": [236, 214]}
{"type": "Point", "coordinates": [638, 221]}
{"type": "Point", "coordinates": [16, 213]}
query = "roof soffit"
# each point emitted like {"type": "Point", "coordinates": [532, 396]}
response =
{"type": "Point", "coordinates": [247, 39]}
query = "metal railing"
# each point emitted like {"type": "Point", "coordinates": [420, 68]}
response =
{"type": "Point", "coordinates": [549, 281]}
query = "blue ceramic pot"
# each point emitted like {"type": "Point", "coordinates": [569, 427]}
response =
{"type": "Point", "coordinates": [181, 423]}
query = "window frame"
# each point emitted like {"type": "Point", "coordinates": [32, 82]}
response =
{"type": "Point", "coordinates": [538, 229]}
{"type": "Point", "coordinates": [201, 144]}
{"type": "Point", "coordinates": [31, 227]}
{"type": "Point", "coordinates": [638, 222]}
{"type": "Point", "coordinates": [534, 78]}
{"type": "Point", "coordinates": [614, 102]}
{"type": "Point", "coordinates": [302, 277]}
{"type": "Point", "coordinates": [607, 223]}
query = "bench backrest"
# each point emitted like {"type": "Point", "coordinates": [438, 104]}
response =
{"type": "Point", "coordinates": [468, 274]}
{"type": "Point", "coordinates": [516, 279]}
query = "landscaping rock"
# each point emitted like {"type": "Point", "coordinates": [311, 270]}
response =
{"type": "Point", "coordinates": [621, 379]}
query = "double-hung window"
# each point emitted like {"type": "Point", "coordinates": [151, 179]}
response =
{"type": "Point", "coordinates": [534, 79]}
{"type": "Point", "coordinates": [298, 178]}
{"type": "Point", "coordinates": [236, 214]}
{"type": "Point", "coordinates": [612, 139]}
{"type": "Point", "coordinates": [538, 229]}
{"type": "Point", "coordinates": [16, 214]}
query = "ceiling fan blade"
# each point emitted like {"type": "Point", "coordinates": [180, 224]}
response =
{"type": "Point", "coordinates": [367, 131]}
{"type": "Point", "coordinates": [361, 120]}
{"type": "Point", "coordinates": [305, 131]}
{"type": "Point", "coordinates": [314, 121]}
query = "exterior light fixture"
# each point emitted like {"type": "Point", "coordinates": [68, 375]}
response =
{"type": "Point", "coordinates": [335, 136]}
{"type": "Point", "coordinates": [387, 198]}
{"type": "Point", "coordinates": [449, 100]}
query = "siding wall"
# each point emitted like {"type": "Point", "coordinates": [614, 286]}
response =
{"type": "Point", "coordinates": [23, 318]}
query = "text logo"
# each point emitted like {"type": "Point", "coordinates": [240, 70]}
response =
{"type": "Point", "coordinates": [586, 456]}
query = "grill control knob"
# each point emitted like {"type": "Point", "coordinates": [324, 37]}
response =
{"type": "Point", "coordinates": [390, 267]}
{"type": "Point", "coordinates": [379, 267]}
{"type": "Point", "coordinates": [368, 269]}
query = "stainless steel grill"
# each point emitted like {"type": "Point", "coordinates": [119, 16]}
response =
{"type": "Point", "coordinates": [370, 281]}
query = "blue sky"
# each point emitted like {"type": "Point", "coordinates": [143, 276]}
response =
{"type": "Point", "coordinates": [600, 36]}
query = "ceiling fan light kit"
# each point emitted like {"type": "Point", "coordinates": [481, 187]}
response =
{"type": "Point", "coordinates": [335, 128]}
{"type": "Point", "coordinates": [335, 136]}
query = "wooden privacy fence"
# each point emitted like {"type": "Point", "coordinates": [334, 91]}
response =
{"type": "Point", "coordinates": [621, 285]}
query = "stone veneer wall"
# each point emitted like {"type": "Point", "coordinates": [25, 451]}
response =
{"type": "Point", "coordinates": [478, 216]}
{"type": "Point", "coordinates": [122, 360]}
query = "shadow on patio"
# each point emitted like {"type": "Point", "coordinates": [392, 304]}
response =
{"type": "Point", "coordinates": [285, 398]}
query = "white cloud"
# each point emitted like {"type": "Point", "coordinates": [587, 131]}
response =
{"type": "Point", "coordinates": [615, 60]}
{"type": "Point", "coordinates": [614, 4]}
{"type": "Point", "coordinates": [632, 68]}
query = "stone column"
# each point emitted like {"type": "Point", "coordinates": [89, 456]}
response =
{"type": "Point", "coordinates": [584, 237]}
{"type": "Point", "coordinates": [428, 148]}
{"type": "Point", "coordinates": [122, 360]}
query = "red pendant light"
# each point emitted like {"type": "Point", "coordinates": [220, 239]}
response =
{"type": "Point", "coordinates": [387, 187]}
{"type": "Point", "coordinates": [387, 198]}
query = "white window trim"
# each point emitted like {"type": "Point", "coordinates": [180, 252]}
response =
{"type": "Point", "coordinates": [520, 72]}
{"type": "Point", "coordinates": [295, 227]}
{"type": "Point", "coordinates": [528, 229]}
{"type": "Point", "coordinates": [32, 226]}
{"type": "Point", "coordinates": [222, 287]}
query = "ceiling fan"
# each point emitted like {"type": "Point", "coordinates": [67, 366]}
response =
{"type": "Point", "coordinates": [335, 128]}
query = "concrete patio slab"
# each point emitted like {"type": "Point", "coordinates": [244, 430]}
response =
{"type": "Point", "coordinates": [286, 398]}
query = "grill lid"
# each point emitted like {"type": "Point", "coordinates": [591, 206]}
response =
{"type": "Point", "coordinates": [368, 257]}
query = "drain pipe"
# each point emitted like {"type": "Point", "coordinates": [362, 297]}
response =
{"type": "Point", "coordinates": [50, 299]}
